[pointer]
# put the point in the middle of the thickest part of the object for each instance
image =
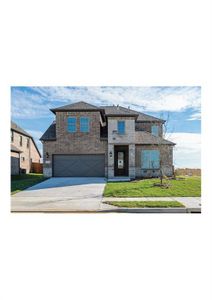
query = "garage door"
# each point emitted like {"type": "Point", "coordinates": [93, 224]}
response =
{"type": "Point", "coordinates": [89, 165]}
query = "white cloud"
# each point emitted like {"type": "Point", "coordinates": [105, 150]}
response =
{"type": "Point", "coordinates": [195, 116]}
{"type": "Point", "coordinates": [28, 105]}
{"type": "Point", "coordinates": [36, 101]}
{"type": "Point", "coordinates": [187, 152]}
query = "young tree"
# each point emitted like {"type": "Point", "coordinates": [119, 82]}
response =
{"type": "Point", "coordinates": [164, 149]}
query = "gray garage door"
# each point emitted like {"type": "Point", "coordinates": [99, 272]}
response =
{"type": "Point", "coordinates": [79, 165]}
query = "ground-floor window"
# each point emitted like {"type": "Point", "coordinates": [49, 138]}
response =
{"type": "Point", "coordinates": [150, 159]}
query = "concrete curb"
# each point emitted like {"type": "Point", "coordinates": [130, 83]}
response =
{"type": "Point", "coordinates": [147, 210]}
{"type": "Point", "coordinates": [116, 210]}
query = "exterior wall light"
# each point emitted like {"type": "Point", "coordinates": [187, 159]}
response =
{"type": "Point", "coordinates": [47, 154]}
{"type": "Point", "coordinates": [111, 154]}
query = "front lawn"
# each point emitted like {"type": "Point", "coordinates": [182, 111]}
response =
{"type": "Point", "coordinates": [143, 204]}
{"type": "Point", "coordinates": [189, 187]}
{"type": "Point", "coordinates": [21, 182]}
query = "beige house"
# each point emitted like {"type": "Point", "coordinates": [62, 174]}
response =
{"type": "Point", "coordinates": [24, 150]}
{"type": "Point", "coordinates": [111, 141]}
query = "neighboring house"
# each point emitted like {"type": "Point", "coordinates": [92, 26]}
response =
{"type": "Point", "coordinates": [24, 151]}
{"type": "Point", "coordinates": [111, 141]}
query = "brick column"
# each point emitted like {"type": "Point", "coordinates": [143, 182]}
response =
{"type": "Point", "coordinates": [132, 161]}
{"type": "Point", "coordinates": [110, 161]}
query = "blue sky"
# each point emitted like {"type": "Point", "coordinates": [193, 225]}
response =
{"type": "Point", "coordinates": [180, 105]}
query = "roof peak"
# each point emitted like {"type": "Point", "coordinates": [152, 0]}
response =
{"type": "Point", "coordinates": [80, 105]}
{"type": "Point", "coordinates": [109, 110]}
{"type": "Point", "coordinates": [17, 128]}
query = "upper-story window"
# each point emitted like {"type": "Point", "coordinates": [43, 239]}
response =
{"type": "Point", "coordinates": [72, 124]}
{"type": "Point", "coordinates": [155, 130]}
{"type": "Point", "coordinates": [21, 140]}
{"type": "Point", "coordinates": [12, 135]}
{"type": "Point", "coordinates": [84, 124]}
{"type": "Point", "coordinates": [121, 127]}
{"type": "Point", "coordinates": [27, 142]}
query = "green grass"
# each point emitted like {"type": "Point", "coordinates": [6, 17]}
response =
{"type": "Point", "coordinates": [21, 182]}
{"type": "Point", "coordinates": [189, 187]}
{"type": "Point", "coordinates": [143, 204]}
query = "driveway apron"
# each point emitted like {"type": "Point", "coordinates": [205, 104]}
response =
{"type": "Point", "coordinates": [61, 194]}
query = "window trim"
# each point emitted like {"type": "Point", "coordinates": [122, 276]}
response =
{"type": "Point", "coordinates": [150, 151]}
{"type": "Point", "coordinates": [74, 124]}
{"type": "Point", "coordinates": [85, 128]}
{"type": "Point", "coordinates": [21, 141]}
{"type": "Point", "coordinates": [118, 128]}
{"type": "Point", "coordinates": [28, 142]}
{"type": "Point", "coordinates": [12, 136]}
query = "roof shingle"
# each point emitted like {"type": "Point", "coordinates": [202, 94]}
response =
{"type": "Point", "coordinates": [118, 111]}
{"type": "Point", "coordinates": [143, 137]}
{"type": "Point", "coordinates": [17, 128]}
{"type": "Point", "coordinates": [50, 133]}
{"type": "Point", "coordinates": [77, 106]}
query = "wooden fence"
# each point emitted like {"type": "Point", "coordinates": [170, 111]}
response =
{"type": "Point", "coordinates": [188, 172]}
{"type": "Point", "coordinates": [37, 168]}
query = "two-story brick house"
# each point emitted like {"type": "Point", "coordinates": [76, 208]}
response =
{"type": "Point", "coordinates": [111, 141]}
{"type": "Point", "coordinates": [24, 150]}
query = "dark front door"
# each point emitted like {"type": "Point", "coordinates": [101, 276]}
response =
{"type": "Point", "coordinates": [121, 160]}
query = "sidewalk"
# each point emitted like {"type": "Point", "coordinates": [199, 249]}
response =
{"type": "Point", "coordinates": [192, 205]}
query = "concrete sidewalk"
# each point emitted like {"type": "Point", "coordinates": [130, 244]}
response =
{"type": "Point", "coordinates": [192, 204]}
{"type": "Point", "coordinates": [85, 195]}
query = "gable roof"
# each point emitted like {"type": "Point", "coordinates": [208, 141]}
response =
{"type": "Point", "coordinates": [77, 106]}
{"type": "Point", "coordinates": [144, 137]}
{"type": "Point", "coordinates": [18, 129]}
{"type": "Point", "coordinates": [115, 110]}
{"type": "Point", "coordinates": [50, 133]}
{"type": "Point", "coordinates": [110, 110]}
{"type": "Point", "coordinates": [147, 118]}
{"type": "Point", "coordinates": [120, 110]}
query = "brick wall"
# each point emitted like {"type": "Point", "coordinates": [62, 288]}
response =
{"type": "Point", "coordinates": [74, 143]}
{"type": "Point", "coordinates": [34, 153]}
{"type": "Point", "coordinates": [148, 127]}
{"type": "Point", "coordinates": [166, 155]}
{"type": "Point", "coordinates": [28, 151]}
{"type": "Point", "coordinates": [128, 137]}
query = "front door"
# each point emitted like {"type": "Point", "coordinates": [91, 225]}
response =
{"type": "Point", "coordinates": [121, 160]}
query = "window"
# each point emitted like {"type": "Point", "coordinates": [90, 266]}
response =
{"type": "Point", "coordinates": [12, 136]}
{"type": "Point", "coordinates": [120, 160]}
{"type": "Point", "coordinates": [21, 140]}
{"type": "Point", "coordinates": [155, 130]}
{"type": "Point", "coordinates": [121, 127]}
{"type": "Point", "coordinates": [150, 159]}
{"type": "Point", "coordinates": [84, 124]}
{"type": "Point", "coordinates": [27, 142]}
{"type": "Point", "coordinates": [72, 124]}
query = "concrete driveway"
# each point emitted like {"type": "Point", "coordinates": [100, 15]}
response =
{"type": "Point", "coordinates": [61, 195]}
